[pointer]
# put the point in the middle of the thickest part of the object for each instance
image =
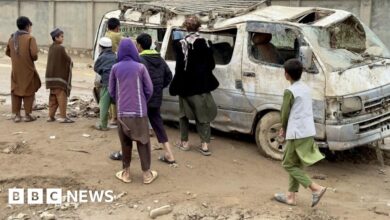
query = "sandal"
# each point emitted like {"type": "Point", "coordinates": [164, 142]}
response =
{"type": "Point", "coordinates": [51, 119]}
{"type": "Point", "coordinates": [65, 120]}
{"type": "Point", "coordinates": [152, 178]}
{"type": "Point", "coordinates": [282, 198]}
{"type": "Point", "coordinates": [100, 128]}
{"type": "Point", "coordinates": [114, 123]}
{"type": "Point", "coordinates": [116, 155]}
{"type": "Point", "coordinates": [165, 160]}
{"type": "Point", "coordinates": [317, 197]}
{"type": "Point", "coordinates": [29, 118]}
{"type": "Point", "coordinates": [204, 152]}
{"type": "Point", "coordinates": [119, 175]}
{"type": "Point", "coordinates": [17, 119]}
{"type": "Point", "coordinates": [181, 147]}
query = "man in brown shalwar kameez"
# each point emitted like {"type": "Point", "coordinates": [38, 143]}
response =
{"type": "Point", "coordinates": [25, 81]}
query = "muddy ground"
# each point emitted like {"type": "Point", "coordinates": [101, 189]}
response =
{"type": "Point", "coordinates": [234, 183]}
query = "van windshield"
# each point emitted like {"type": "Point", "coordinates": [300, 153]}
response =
{"type": "Point", "coordinates": [346, 44]}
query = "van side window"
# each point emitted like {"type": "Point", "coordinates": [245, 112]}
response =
{"type": "Point", "coordinates": [222, 43]}
{"type": "Point", "coordinates": [274, 48]}
{"type": "Point", "coordinates": [157, 34]}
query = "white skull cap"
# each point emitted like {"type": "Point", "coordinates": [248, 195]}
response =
{"type": "Point", "coordinates": [105, 42]}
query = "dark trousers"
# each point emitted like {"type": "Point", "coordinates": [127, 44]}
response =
{"type": "Point", "coordinates": [157, 124]}
{"type": "Point", "coordinates": [16, 101]}
{"type": "Point", "coordinates": [144, 151]}
{"type": "Point", "coordinates": [137, 130]}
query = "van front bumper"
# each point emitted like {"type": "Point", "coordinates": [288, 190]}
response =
{"type": "Point", "coordinates": [343, 137]}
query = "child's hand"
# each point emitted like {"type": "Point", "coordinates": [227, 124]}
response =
{"type": "Point", "coordinates": [281, 136]}
{"type": "Point", "coordinates": [281, 132]}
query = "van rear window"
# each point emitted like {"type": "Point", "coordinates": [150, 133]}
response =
{"type": "Point", "coordinates": [132, 31]}
{"type": "Point", "coordinates": [223, 43]}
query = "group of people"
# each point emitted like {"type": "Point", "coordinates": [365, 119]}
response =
{"type": "Point", "coordinates": [135, 83]}
{"type": "Point", "coordinates": [133, 77]}
{"type": "Point", "coordinates": [25, 81]}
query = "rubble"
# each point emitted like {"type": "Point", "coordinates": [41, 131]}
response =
{"type": "Point", "coordinates": [40, 107]}
{"type": "Point", "coordinates": [18, 132]}
{"type": "Point", "coordinates": [79, 107]}
{"type": "Point", "coordinates": [174, 165]}
{"type": "Point", "coordinates": [319, 177]}
{"type": "Point", "coordinates": [382, 171]}
{"type": "Point", "coordinates": [16, 148]}
{"type": "Point", "coordinates": [47, 216]}
{"type": "Point", "coordinates": [120, 195]}
{"type": "Point", "coordinates": [160, 211]}
{"type": "Point", "coordinates": [379, 211]}
{"type": "Point", "coordinates": [20, 216]}
{"type": "Point", "coordinates": [7, 150]}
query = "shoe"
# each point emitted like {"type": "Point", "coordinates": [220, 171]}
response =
{"type": "Point", "coordinates": [100, 128]}
{"type": "Point", "coordinates": [116, 155]}
{"type": "Point", "coordinates": [65, 120]}
{"type": "Point", "coordinates": [29, 118]}
{"type": "Point", "coordinates": [282, 198]}
{"type": "Point", "coordinates": [51, 119]}
{"type": "Point", "coordinates": [317, 197]}
{"type": "Point", "coordinates": [119, 175]}
{"type": "Point", "coordinates": [17, 119]}
{"type": "Point", "coordinates": [153, 177]}
{"type": "Point", "coordinates": [204, 152]}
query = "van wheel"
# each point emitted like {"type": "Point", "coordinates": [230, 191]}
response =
{"type": "Point", "coordinates": [267, 131]}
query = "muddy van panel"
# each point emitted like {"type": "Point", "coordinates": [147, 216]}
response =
{"type": "Point", "coordinates": [235, 112]}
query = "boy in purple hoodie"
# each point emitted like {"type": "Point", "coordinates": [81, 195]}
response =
{"type": "Point", "coordinates": [131, 87]}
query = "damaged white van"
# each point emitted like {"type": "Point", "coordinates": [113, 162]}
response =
{"type": "Point", "coordinates": [346, 65]}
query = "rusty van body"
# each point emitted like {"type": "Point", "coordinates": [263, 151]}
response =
{"type": "Point", "coordinates": [346, 66]}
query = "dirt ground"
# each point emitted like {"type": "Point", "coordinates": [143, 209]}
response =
{"type": "Point", "coordinates": [236, 182]}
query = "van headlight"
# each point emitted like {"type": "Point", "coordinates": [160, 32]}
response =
{"type": "Point", "coordinates": [351, 105]}
{"type": "Point", "coordinates": [333, 111]}
{"type": "Point", "coordinates": [340, 107]}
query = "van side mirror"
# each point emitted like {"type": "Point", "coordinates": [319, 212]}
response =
{"type": "Point", "coordinates": [306, 57]}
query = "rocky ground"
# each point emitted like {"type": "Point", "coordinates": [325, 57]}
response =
{"type": "Point", "coordinates": [234, 183]}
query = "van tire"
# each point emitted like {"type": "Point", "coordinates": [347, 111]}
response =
{"type": "Point", "coordinates": [267, 130]}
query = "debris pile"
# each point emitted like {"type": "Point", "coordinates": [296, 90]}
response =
{"type": "Point", "coordinates": [16, 148]}
{"type": "Point", "coordinates": [82, 108]}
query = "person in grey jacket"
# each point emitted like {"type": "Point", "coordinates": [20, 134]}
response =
{"type": "Point", "coordinates": [103, 65]}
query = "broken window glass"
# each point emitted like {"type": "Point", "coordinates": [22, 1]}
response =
{"type": "Point", "coordinates": [345, 45]}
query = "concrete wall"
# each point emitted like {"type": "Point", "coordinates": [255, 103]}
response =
{"type": "Point", "coordinates": [80, 18]}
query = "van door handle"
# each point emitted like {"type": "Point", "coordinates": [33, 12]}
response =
{"type": "Point", "coordinates": [249, 74]}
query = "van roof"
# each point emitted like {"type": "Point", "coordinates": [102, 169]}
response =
{"type": "Point", "coordinates": [297, 16]}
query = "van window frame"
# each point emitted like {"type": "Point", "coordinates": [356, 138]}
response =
{"type": "Point", "coordinates": [146, 26]}
{"type": "Point", "coordinates": [251, 28]}
{"type": "Point", "coordinates": [207, 31]}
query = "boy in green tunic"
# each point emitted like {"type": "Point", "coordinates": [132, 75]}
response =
{"type": "Point", "coordinates": [299, 131]}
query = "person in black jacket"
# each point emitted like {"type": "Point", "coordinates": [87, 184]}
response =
{"type": "Point", "coordinates": [193, 82]}
{"type": "Point", "coordinates": [161, 76]}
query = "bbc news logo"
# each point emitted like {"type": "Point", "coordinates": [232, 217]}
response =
{"type": "Point", "coordinates": [36, 196]}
